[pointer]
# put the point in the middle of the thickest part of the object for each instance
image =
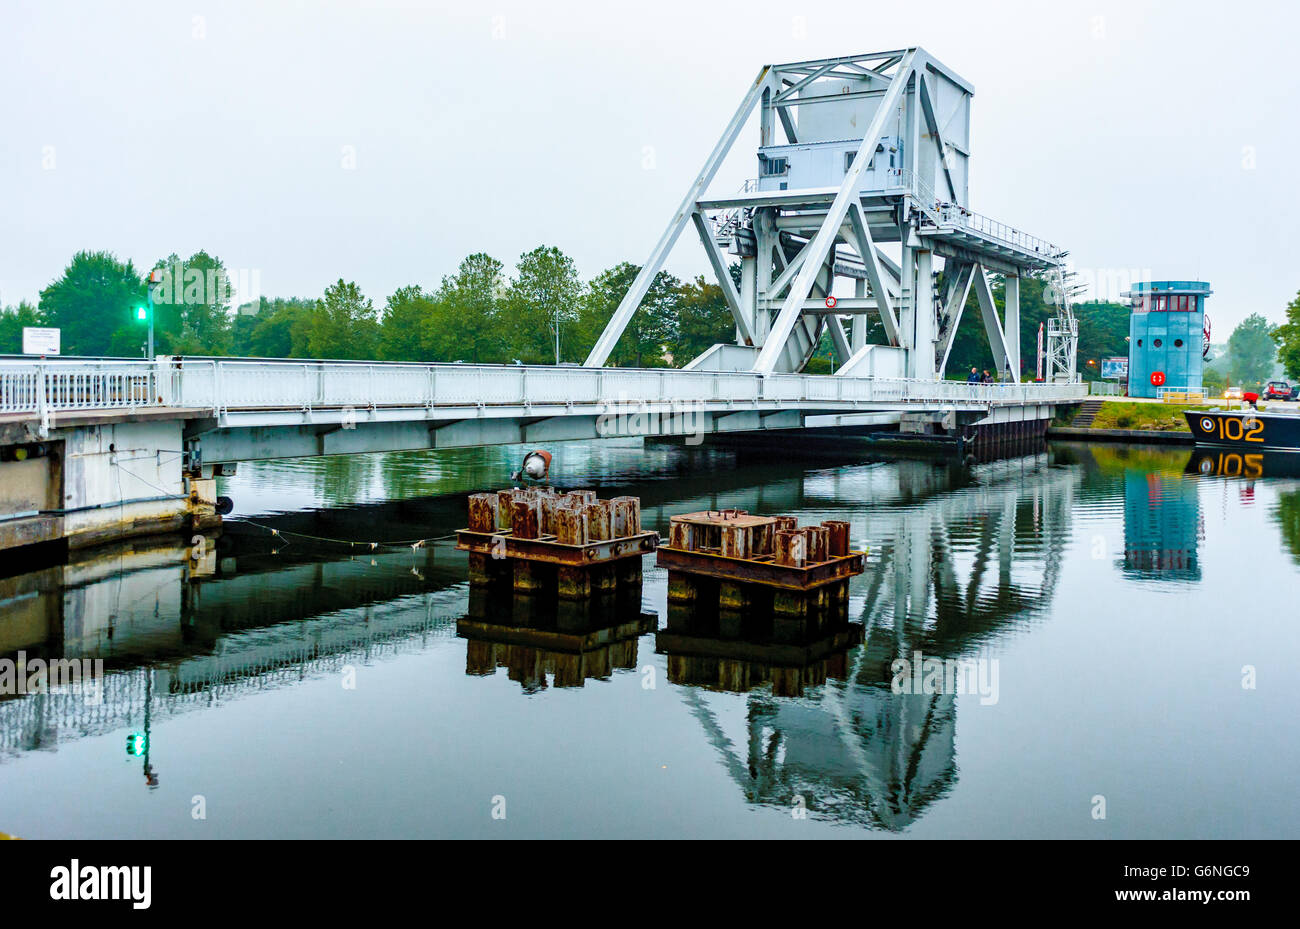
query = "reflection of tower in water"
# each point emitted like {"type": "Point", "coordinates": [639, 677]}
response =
{"type": "Point", "coordinates": [951, 570]}
{"type": "Point", "coordinates": [1162, 524]}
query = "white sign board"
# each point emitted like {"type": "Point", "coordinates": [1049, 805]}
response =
{"type": "Point", "coordinates": [39, 340]}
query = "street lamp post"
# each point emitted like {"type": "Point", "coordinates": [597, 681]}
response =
{"type": "Point", "coordinates": [149, 291]}
{"type": "Point", "coordinates": [155, 277]}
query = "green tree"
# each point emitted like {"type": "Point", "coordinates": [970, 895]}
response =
{"type": "Point", "coordinates": [653, 328]}
{"type": "Point", "coordinates": [1103, 333]}
{"type": "Point", "coordinates": [703, 319]}
{"type": "Point", "coordinates": [343, 324]}
{"type": "Point", "coordinates": [1252, 348]}
{"type": "Point", "coordinates": [404, 330]}
{"type": "Point", "coordinates": [468, 315]}
{"type": "Point", "coordinates": [93, 303]}
{"type": "Point", "coordinates": [279, 328]}
{"type": "Point", "coordinates": [541, 305]}
{"type": "Point", "coordinates": [1287, 337]}
{"type": "Point", "coordinates": [12, 321]}
{"type": "Point", "coordinates": [192, 306]}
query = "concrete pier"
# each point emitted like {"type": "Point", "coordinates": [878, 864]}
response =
{"type": "Point", "coordinates": [87, 478]}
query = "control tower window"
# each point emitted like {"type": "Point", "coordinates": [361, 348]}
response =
{"type": "Point", "coordinates": [1158, 343]}
{"type": "Point", "coordinates": [775, 167]}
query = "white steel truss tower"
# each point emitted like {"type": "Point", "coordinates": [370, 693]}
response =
{"type": "Point", "coordinates": [869, 184]}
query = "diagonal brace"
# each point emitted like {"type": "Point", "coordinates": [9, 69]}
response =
{"type": "Point", "coordinates": [720, 271]}
{"type": "Point", "coordinates": [654, 264]}
{"type": "Point", "coordinates": [830, 227]}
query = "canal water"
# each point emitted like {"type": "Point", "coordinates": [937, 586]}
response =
{"type": "Point", "coordinates": [1122, 620]}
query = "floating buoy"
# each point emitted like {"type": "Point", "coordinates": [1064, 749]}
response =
{"type": "Point", "coordinates": [536, 466]}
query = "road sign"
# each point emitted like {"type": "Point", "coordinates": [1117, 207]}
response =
{"type": "Point", "coordinates": [830, 302]}
{"type": "Point", "coordinates": [40, 340]}
{"type": "Point", "coordinates": [1114, 369]}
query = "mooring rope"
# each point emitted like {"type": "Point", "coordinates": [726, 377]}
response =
{"type": "Point", "coordinates": [368, 546]}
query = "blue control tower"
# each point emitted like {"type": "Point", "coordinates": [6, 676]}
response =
{"type": "Point", "coordinates": [1167, 336]}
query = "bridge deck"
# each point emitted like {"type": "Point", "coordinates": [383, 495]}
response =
{"type": "Point", "coordinates": [243, 409]}
{"type": "Point", "coordinates": [254, 390]}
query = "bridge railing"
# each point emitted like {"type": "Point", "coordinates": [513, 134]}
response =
{"type": "Point", "coordinates": [245, 384]}
{"type": "Point", "coordinates": [77, 385]}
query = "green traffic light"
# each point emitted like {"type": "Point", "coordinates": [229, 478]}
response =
{"type": "Point", "coordinates": [141, 313]}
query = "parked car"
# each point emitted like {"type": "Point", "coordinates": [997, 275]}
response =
{"type": "Point", "coordinates": [1295, 393]}
{"type": "Point", "coordinates": [1276, 390]}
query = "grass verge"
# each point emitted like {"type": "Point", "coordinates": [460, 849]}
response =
{"type": "Point", "coordinates": [1148, 417]}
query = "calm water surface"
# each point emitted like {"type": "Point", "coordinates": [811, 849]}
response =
{"type": "Point", "coordinates": [291, 686]}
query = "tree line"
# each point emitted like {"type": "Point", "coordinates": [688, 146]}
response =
{"type": "Point", "coordinates": [541, 314]}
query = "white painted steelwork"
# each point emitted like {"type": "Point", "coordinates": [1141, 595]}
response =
{"type": "Point", "coordinates": [869, 139]}
{"type": "Point", "coordinates": [261, 392]}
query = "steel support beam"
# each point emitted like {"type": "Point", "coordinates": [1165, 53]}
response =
{"type": "Point", "coordinates": [923, 334]}
{"type": "Point", "coordinates": [1011, 323]}
{"type": "Point", "coordinates": [989, 310]}
{"type": "Point", "coordinates": [720, 271]}
{"type": "Point", "coordinates": [654, 264]}
{"type": "Point", "coordinates": [859, 321]}
{"type": "Point", "coordinates": [839, 339]}
{"type": "Point", "coordinates": [953, 310]}
{"type": "Point", "coordinates": [788, 272]}
{"type": "Point", "coordinates": [871, 262]}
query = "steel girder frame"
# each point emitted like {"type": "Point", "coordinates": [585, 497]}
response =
{"type": "Point", "coordinates": [960, 276]}
{"type": "Point", "coordinates": [1004, 336]}
{"type": "Point", "coordinates": [636, 293]}
{"type": "Point", "coordinates": [766, 86]}
{"type": "Point", "coordinates": [1011, 322]}
{"type": "Point", "coordinates": [844, 219]}
{"type": "Point", "coordinates": [820, 244]}
{"type": "Point", "coordinates": [992, 327]}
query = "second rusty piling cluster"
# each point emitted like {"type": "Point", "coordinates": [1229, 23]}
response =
{"type": "Point", "coordinates": [749, 561]}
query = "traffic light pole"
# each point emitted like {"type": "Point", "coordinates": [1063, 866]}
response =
{"type": "Point", "coordinates": [149, 291]}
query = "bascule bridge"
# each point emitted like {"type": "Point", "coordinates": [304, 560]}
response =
{"type": "Point", "coordinates": [863, 183]}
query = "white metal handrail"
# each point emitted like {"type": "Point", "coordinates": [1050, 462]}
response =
{"type": "Point", "coordinates": [951, 214]}
{"type": "Point", "coordinates": [77, 385]}
{"type": "Point", "coordinates": [251, 385]}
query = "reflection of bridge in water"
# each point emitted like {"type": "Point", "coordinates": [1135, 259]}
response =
{"type": "Point", "coordinates": [177, 634]}
{"type": "Point", "coordinates": [948, 571]}
{"type": "Point", "coordinates": [956, 557]}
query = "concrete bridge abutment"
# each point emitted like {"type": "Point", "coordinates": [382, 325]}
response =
{"type": "Point", "coordinates": [91, 478]}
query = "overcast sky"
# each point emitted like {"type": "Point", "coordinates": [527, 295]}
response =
{"type": "Point", "coordinates": [382, 142]}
